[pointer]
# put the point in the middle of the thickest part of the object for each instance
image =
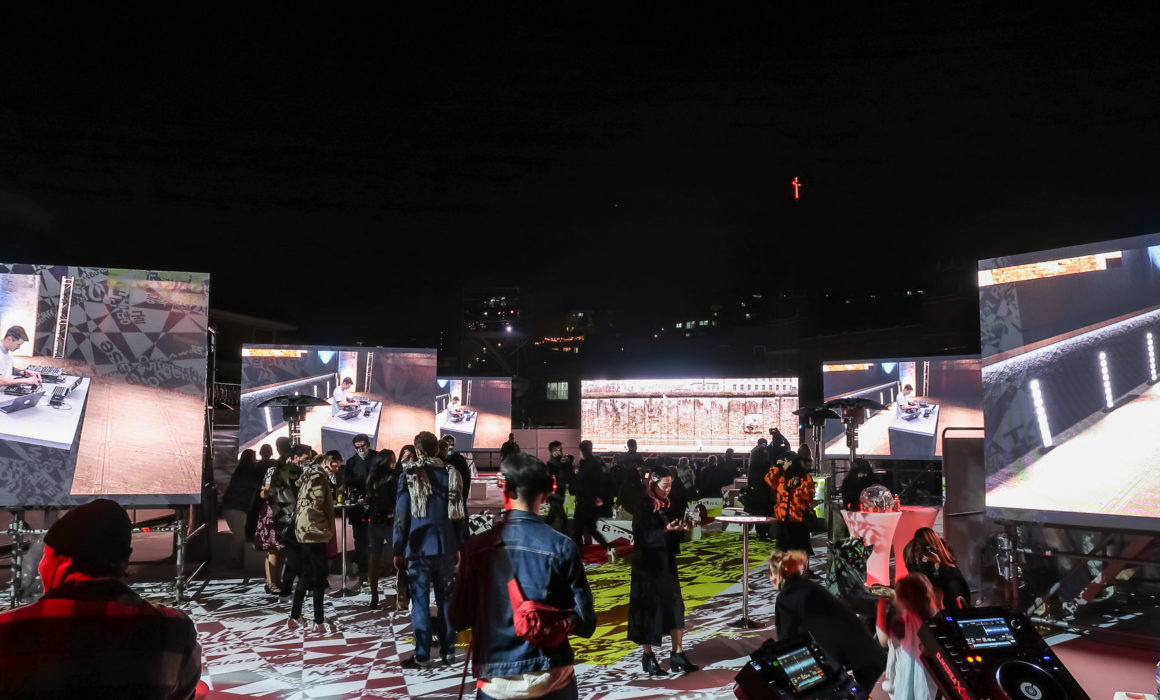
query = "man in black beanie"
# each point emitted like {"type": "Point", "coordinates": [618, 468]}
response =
{"type": "Point", "coordinates": [90, 635]}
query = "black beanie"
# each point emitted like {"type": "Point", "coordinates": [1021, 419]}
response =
{"type": "Point", "coordinates": [99, 532]}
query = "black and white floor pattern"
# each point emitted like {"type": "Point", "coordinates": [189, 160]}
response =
{"type": "Point", "coordinates": [250, 651]}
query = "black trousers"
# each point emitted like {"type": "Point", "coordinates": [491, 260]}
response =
{"type": "Point", "coordinates": [585, 524]}
{"type": "Point", "coordinates": [314, 571]}
{"type": "Point", "coordinates": [292, 569]}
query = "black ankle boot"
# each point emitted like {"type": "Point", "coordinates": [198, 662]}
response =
{"type": "Point", "coordinates": [649, 663]}
{"type": "Point", "coordinates": [680, 662]}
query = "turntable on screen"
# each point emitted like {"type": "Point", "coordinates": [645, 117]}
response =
{"type": "Point", "coordinates": [338, 433]}
{"type": "Point", "coordinates": [458, 422]}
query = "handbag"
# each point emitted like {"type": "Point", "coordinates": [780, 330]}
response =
{"type": "Point", "coordinates": [534, 621]}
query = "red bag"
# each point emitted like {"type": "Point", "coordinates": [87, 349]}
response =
{"type": "Point", "coordinates": [539, 623]}
{"type": "Point", "coordinates": [535, 622]}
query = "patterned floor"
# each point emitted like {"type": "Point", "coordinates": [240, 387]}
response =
{"type": "Point", "coordinates": [249, 650]}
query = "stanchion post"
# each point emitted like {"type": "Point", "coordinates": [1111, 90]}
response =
{"type": "Point", "coordinates": [1012, 566]}
{"type": "Point", "coordinates": [14, 529]}
{"type": "Point", "coordinates": [343, 540]}
{"type": "Point", "coordinates": [179, 555]}
{"type": "Point", "coordinates": [745, 573]}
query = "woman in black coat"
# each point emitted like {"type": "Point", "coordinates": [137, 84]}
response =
{"type": "Point", "coordinates": [929, 554]}
{"type": "Point", "coordinates": [759, 498]}
{"type": "Point", "coordinates": [803, 606]}
{"type": "Point", "coordinates": [239, 500]}
{"type": "Point", "coordinates": [655, 605]}
{"type": "Point", "coordinates": [382, 487]}
{"type": "Point", "coordinates": [857, 479]}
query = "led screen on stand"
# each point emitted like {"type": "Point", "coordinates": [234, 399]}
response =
{"type": "Point", "coordinates": [1069, 383]}
{"type": "Point", "coordinates": [476, 411]}
{"type": "Point", "coordinates": [943, 392]}
{"type": "Point", "coordinates": [389, 398]}
{"type": "Point", "coordinates": [120, 410]}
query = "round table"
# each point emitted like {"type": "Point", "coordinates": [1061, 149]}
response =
{"type": "Point", "coordinates": [875, 529]}
{"type": "Point", "coordinates": [745, 521]}
{"type": "Point", "coordinates": [913, 517]}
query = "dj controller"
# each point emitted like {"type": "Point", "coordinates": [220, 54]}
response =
{"type": "Point", "coordinates": [50, 375]}
{"type": "Point", "coordinates": [796, 669]}
{"type": "Point", "coordinates": [992, 653]}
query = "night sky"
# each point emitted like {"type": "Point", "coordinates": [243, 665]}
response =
{"type": "Point", "coordinates": [347, 173]}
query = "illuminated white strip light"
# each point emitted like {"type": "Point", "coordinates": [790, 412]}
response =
{"type": "Point", "coordinates": [1107, 380]}
{"type": "Point", "coordinates": [1040, 413]}
{"type": "Point", "coordinates": [1151, 357]}
{"type": "Point", "coordinates": [269, 422]}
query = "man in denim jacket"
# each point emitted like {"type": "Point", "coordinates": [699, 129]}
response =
{"type": "Point", "coordinates": [430, 527]}
{"type": "Point", "coordinates": [548, 568]}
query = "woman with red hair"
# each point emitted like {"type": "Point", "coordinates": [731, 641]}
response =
{"type": "Point", "coordinates": [655, 605]}
{"type": "Point", "coordinates": [898, 626]}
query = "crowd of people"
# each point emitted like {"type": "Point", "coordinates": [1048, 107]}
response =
{"type": "Point", "coordinates": [528, 591]}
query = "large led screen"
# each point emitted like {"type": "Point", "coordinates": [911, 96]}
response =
{"type": "Point", "coordinates": [106, 397]}
{"type": "Point", "coordinates": [923, 396]}
{"type": "Point", "coordinates": [476, 411]}
{"type": "Point", "coordinates": [706, 415]}
{"type": "Point", "coordinates": [1069, 383]}
{"type": "Point", "coordinates": [388, 396]}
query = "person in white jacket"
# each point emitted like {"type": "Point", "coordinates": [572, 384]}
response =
{"type": "Point", "coordinates": [898, 624]}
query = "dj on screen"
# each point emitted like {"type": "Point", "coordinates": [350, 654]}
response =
{"type": "Point", "coordinates": [13, 339]}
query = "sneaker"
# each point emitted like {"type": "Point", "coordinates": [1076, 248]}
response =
{"type": "Point", "coordinates": [294, 623]}
{"type": "Point", "coordinates": [319, 628]}
{"type": "Point", "coordinates": [414, 663]}
{"type": "Point", "coordinates": [449, 659]}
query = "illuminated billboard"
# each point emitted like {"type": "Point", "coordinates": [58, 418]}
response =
{"type": "Point", "coordinates": [705, 414]}
{"type": "Point", "coordinates": [384, 393]}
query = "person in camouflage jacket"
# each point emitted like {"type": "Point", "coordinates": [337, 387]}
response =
{"type": "Point", "coordinates": [313, 528]}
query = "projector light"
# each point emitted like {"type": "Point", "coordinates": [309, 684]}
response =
{"type": "Point", "coordinates": [1107, 381]}
{"type": "Point", "coordinates": [1151, 358]}
{"type": "Point", "coordinates": [1041, 414]}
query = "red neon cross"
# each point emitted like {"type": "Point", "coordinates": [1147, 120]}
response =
{"type": "Point", "coordinates": [796, 187]}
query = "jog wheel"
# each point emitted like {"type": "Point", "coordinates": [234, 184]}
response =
{"type": "Point", "coordinates": [1023, 681]}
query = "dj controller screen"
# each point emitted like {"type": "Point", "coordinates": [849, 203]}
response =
{"type": "Point", "coordinates": [989, 633]}
{"type": "Point", "coordinates": [802, 669]}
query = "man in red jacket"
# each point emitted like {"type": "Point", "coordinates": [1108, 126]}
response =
{"type": "Point", "coordinates": [90, 635]}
